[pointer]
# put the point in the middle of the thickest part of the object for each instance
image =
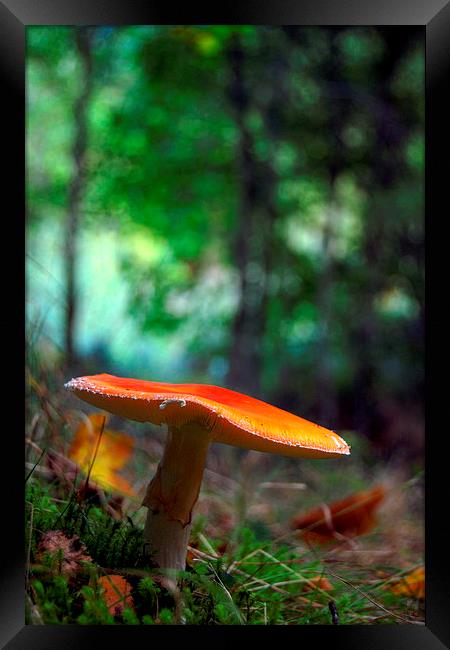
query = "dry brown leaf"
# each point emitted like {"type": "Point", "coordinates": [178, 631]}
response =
{"type": "Point", "coordinates": [354, 515]}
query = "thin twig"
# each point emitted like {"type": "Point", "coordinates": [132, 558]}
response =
{"type": "Point", "coordinates": [86, 483]}
{"type": "Point", "coordinates": [206, 543]}
{"type": "Point", "coordinates": [360, 591]}
{"type": "Point", "coordinates": [29, 543]}
{"type": "Point", "coordinates": [310, 583]}
{"type": "Point", "coordinates": [35, 465]}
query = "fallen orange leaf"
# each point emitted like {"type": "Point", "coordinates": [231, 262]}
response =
{"type": "Point", "coordinates": [113, 452]}
{"type": "Point", "coordinates": [116, 593]}
{"type": "Point", "coordinates": [412, 584]}
{"type": "Point", "coordinates": [354, 515]}
{"type": "Point", "coordinates": [319, 582]}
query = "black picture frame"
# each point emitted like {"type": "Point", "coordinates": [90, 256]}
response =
{"type": "Point", "coordinates": [15, 16]}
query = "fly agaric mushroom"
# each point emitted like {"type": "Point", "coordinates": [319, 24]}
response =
{"type": "Point", "coordinates": [196, 415]}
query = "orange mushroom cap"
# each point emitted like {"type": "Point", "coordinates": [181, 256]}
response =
{"type": "Point", "coordinates": [227, 416]}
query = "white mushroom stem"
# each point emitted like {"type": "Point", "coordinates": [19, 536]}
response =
{"type": "Point", "coordinates": [172, 494]}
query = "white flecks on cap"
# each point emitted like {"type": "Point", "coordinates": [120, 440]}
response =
{"type": "Point", "coordinates": [173, 400]}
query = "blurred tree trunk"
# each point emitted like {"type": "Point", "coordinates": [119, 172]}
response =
{"type": "Point", "coordinates": [326, 394]}
{"type": "Point", "coordinates": [387, 165]}
{"type": "Point", "coordinates": [336, 101]}
{"type": "Point", "coordinates": [338, 108]}
{"type": "Point", "coordinates": [254, 233]}
{"type": "Point", "coordinates": [83, 36]}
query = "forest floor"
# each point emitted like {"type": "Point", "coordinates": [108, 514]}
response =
{"type": "Point", "coordinates": [246, 563]}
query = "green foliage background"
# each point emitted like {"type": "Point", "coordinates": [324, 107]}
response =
{"type": "Point", "coordinates": [335, 122]}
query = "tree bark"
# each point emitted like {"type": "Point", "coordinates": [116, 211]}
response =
{"type": "Point", "coordinates": [338, 107]}
{"type": "Point", "coordinates": [254, 234]}
{"type": "Point", "coordinates": [83, 36]}
{"type": "Point", "coordinates": [387, 165]}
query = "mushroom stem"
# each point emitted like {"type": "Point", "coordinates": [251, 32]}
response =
{"type": "Point", "coordinates": [172, 494]}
